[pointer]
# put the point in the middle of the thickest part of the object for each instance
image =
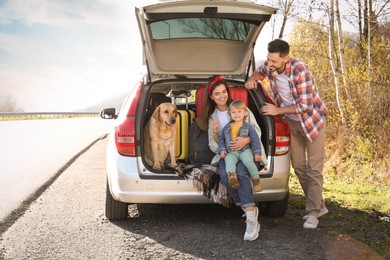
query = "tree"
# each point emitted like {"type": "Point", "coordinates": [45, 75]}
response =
{"type": "Point", "coordinates": [286, 8]}
{"type": "Point", "coordinates": [8, 104]}
{"type": "Point", "coordinates": [333, 62]}
{"type": "Point", "coordinates": [341, 50]}
{"type": "Point", "coordinates": [217, 28]}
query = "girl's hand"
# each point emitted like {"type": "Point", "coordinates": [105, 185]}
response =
{"type": "Point", "coordinates": [239, 143]}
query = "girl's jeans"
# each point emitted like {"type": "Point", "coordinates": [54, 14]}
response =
{"type": "Point", "coordinates": [246, 157]}
{"type": "Point", "coordinates": [243, 196]}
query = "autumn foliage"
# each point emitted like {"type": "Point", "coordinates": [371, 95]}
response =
{"type": "Point", "coordinates": [358, 146]}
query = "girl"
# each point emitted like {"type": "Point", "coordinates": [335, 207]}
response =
{"type": "Point", "coordinates": [238, 127]}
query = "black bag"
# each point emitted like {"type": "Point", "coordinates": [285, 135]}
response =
{"type": "Point", "coordinates": [198, 142]}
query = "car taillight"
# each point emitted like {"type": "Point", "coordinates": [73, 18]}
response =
{"type": "Point", "coordinates": [282, 139]}
{"type": "Point", "coordinates": [125, 136]}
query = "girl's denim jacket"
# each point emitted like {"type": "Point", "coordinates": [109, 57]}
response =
{"type": "Point", "coordinates": [246, 130]}
{"type": "Point", "coordinates": [214, 145]}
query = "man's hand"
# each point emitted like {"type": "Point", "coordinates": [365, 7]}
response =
{"type": "Point", "coordinates": [269, 109]}
{"type": "Point", "coordinates": [222, 154]}
{"type": "Point", "coordinates": [257, 157]}
{"type": "Point", "coordinates": [251, 83]}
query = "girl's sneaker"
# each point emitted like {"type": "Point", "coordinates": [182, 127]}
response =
{"type": "Point", "coordinates": [256, 185]}
{"type": "Point", "coordinates": [233, 181]}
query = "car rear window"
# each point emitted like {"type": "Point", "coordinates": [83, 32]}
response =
{"type": "Point", "coordinates": [212, 28]}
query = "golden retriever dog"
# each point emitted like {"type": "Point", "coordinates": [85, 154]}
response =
{"type": "Point", "coordinates": [160, 136]}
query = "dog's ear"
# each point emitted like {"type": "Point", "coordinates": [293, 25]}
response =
{"type": "Point", "coordinates": [156, 113]}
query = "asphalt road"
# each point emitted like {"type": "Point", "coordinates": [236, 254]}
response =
{"type": "Point", "coordinates": [66, 221]}
{"type": "Point", "coordinates": [34, 151]}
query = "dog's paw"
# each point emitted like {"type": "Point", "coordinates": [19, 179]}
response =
{"type": "Point", "coordinates": [174, 166]}
{"type": "Point", "coordinates": [157, 166]}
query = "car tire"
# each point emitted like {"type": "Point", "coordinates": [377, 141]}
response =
{"type": "Point", "coordinates": [115, 210]}
{"type": "Point", "coordinates": [274, 208]}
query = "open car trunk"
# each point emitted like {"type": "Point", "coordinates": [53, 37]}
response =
{"type": "Point", "coordinates": [188, 96]}
{"type": "Point", "coordinates": [200, 38]}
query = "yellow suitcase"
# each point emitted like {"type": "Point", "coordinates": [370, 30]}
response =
{"type": "Point", "coordinates": [183, 121]}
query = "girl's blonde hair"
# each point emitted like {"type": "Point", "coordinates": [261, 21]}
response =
{"type": "Point", "coordinates": [238, 104]}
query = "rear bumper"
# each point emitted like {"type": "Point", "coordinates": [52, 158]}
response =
{"type": "Point", "coordinates": [185, 193]}
{"type": "Point", "coordinates": [126, 185]}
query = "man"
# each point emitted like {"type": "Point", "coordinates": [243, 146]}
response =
{"type": "Point", "coordinates": [299, 102]}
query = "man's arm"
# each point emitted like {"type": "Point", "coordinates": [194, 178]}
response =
{"type": "Point", "coordinates": [252, 81]}
{"type": "Point", "coordinates": [272, 110]}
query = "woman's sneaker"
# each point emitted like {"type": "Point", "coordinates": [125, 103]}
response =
{"type": "Point", "coordinates": [256, 185]}
{"type": "Point", "coordinates": [233, 181]}
{"type": "Point", "coordinates": [252, 225]}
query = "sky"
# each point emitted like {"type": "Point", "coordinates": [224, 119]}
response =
{"type": "Point", "coordinates": [64, 55]}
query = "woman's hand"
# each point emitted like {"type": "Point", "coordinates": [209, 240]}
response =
{"type": "Point", "coordinates": [215, 126]}
{"type": "Point", "coordinates": [239, 143]}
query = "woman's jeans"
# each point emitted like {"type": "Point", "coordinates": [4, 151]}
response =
{"type": "Point", "coordinates": [243, 196]}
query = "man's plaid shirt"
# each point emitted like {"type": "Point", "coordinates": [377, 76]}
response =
{"type": "Point", "coordinates": [308, 104]}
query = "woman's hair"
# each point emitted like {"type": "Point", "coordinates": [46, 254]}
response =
{"type": "Point", "coordinates": [209, 104]}
{"type": "Point", "coordinates": [238, 104]}
{"type": "Point", "coordinates": [279, 46]}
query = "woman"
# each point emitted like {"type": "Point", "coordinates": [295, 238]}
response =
{"type": "Point", "coordinates": [217, 101]}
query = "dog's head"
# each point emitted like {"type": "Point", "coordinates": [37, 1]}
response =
{"type": "Point", "coordinates": [166, 113]}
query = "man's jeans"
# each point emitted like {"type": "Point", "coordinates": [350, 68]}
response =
{"type": "Point", "coordinates": [308, 162]}
{"type": "Point", "coordinates": [243, 196]}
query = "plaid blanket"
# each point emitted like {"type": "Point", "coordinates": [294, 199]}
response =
{"type": "Point", "coordinates": [206, 179]}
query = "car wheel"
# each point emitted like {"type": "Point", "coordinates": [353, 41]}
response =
{"type": "Point", "coordinates": [115, 210]}
{"type": "Point", "coordinates": [274, 208]}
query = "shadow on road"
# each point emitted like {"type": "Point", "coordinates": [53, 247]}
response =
{"type": "Point", "coordinates": [215, 232]}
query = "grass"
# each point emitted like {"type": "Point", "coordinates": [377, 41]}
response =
{"type": "Point", "coordinates": [358, 207]}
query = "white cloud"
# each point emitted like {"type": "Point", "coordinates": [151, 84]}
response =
{"type": "Point", "coordinates": [64, 14]}
{"type": "Point", "coordinates": [15, 44]}
{"type": "Point", "coordinates": [64, 55]}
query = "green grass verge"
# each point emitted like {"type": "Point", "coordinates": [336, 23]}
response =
{"type": "Point", "coordinates": [358, 209]}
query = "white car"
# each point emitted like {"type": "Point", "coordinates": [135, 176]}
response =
{"type": "Point", "coordinates": [184, 44]}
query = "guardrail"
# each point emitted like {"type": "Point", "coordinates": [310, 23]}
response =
{"type": "Point", "coordinates": [45, 115]}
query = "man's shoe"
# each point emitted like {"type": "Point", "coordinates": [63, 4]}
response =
{"type": "Point", "coordinates": [252, 225]}
{"type": "Point", "coordinates": [233, 181]}
{"type": "Point", "coordinates": [311, 222]}
{"type": "Point", "coordinates": [323, 211]}
{"type": "Point", "coordinates": [256, 185]}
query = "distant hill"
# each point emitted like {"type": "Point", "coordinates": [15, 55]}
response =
{"type": "Point", "coordinates": [115, 101]}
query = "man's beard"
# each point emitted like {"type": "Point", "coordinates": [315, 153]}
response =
{"type": "Point", "coordinates": [278, 69]}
